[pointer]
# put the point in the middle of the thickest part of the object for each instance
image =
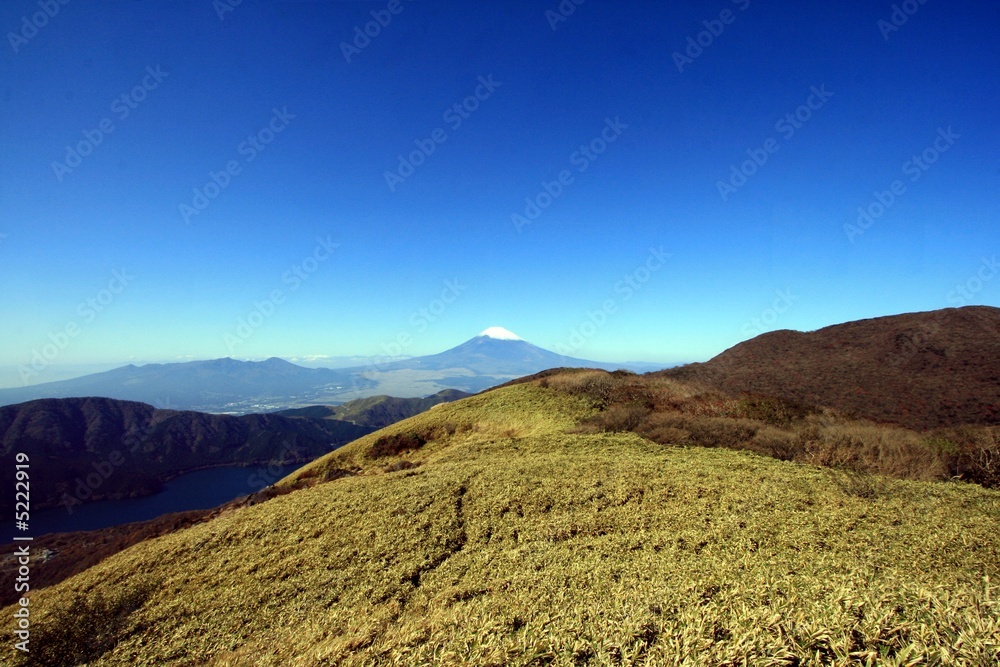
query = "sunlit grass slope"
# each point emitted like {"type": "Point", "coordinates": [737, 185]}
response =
{"type": "Point", "coordinates": [505, 540]}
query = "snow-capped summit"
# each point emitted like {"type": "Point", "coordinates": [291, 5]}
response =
{"type": "Point", "coordinates": [500, 333]}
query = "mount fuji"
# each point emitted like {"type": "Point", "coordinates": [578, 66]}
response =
{"type": "Point", "coordinates": [496, 352]}
{"type": "Point", "coordinates": [493, 357]}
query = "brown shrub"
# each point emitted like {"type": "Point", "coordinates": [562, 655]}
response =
{"type": "Point", "coordinates": [271, 492]}
{"type": "Point", "coordinates": [602, 388]}
{"type": "Point", "coordinates": [860, 484]}
{"type": "Point", "coordinates": [673, 413]}
{"type": "Point", "coordinates": [878, 449]}
{"type": "Point", "coordinates": [776, 443]}
{"type": "Point", "coordinates": [401, 465]}
{"type": "Point", "coordinates": [971, 453]}
{"type": "Point", "coordinates": [396, 443]}
{"type": "Point", "coordinates": [336, 473]}
{"type": "Point", "coordinates": [665, 428]}
{"type": "Point", "coordinates": [710, 404]}
{"type": "Point", "coordinates": [719, 432]}
{"type": "Point", "coordinates": [616, 418]}
{"type": "Point", "coordinates": [770, 410]}
{"type": "Point", "coordinates": [665, 435]}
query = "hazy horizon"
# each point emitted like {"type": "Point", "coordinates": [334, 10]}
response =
{"type": "Point", "coordinates": [13, 376]}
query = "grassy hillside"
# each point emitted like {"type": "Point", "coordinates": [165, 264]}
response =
{"type": "Point", "coordinates": [491, 531]}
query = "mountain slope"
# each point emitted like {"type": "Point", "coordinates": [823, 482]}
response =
{"type": "Point", "coordinates": [921, 370]}
{"type": "Point", "coordinates": [133, 447]}
{"type": "Point", "coordinates": [505, 539]}
{"type": "Point", "coordinates": [376, 411]}
{"type": "Point", "coordinates": [496, 352]}
{"type": "Point", "coordinates": [493, 357]}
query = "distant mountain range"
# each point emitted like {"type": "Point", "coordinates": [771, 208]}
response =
{"type": "Point", "coordinates": [217, 385]}
{"type": "Point", "coordinates": [920, 370]}
{"type": "Point", "coordinates": [240, 387]}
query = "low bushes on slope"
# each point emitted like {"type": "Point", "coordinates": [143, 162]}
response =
{"type": "Point", "coordinates": [669, 412]}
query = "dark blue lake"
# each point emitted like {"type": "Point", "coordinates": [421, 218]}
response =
{"type": "Point", "coordinates": [201, 489]}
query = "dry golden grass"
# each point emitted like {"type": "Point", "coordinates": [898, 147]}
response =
{"type": "Point", "coordinates": [516, 542]}
{"type": "Point", "coordinates": [669, 412]}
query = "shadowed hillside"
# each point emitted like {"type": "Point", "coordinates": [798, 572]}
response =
{"type": "Point", "coordinates": [134, 447]}
{"type": "Point", "coordinates": [921, 370]}
{"type": "Point", "coordinates": [509, 529]}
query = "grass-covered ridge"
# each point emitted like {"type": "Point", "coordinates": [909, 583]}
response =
{"type": "Point", "coordinates": [510, 537]}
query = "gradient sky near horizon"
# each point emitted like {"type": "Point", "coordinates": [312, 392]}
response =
{"type": "Point", "coordinates": [436, 256]}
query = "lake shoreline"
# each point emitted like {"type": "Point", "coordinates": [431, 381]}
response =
{"type": "Point", "coordinates": [163, 481]}
{"type": "Point", "coordinates": [194, 490]}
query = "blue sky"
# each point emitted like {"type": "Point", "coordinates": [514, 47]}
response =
{"type": "Point", "coordinates": [303, 246]}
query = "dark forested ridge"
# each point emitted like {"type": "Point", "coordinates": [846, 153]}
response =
{"type": "Point", "coordinates": [132, 448]}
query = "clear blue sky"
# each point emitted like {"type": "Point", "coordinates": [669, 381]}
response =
{"type": "Point", "coordinates": [197, 87]}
